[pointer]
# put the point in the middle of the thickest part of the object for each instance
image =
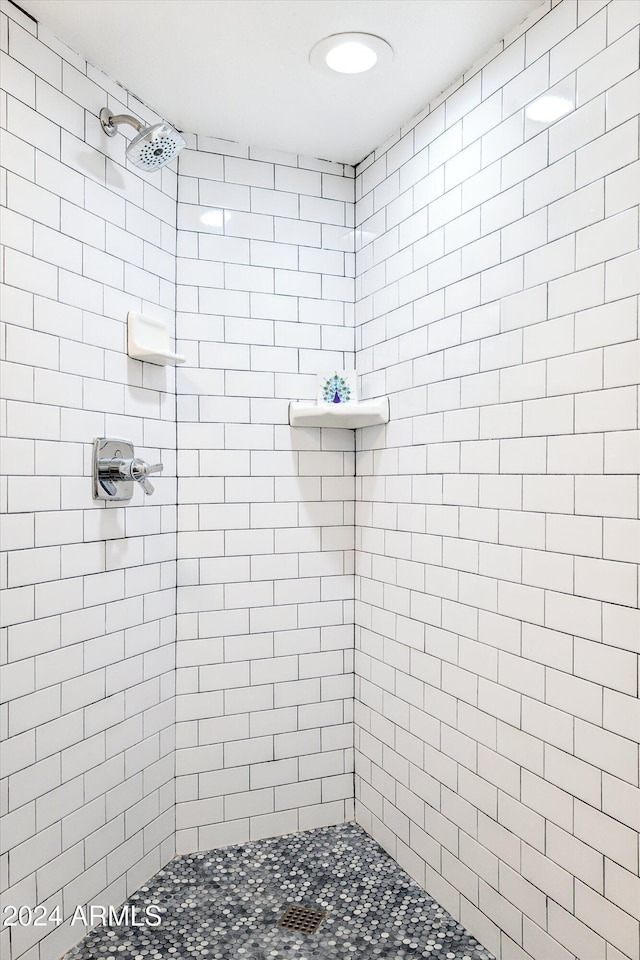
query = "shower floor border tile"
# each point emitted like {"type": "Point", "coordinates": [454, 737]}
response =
{"type": "Point", "coordinates": [226, 903]}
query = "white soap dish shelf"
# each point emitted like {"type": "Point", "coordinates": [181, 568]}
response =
{"type": "Point", "coordinates": [148, 339]}
{"type": "Point", "coordinates": [364, 413]}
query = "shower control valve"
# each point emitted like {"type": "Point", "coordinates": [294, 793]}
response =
{"type": "Point", "coordinates": [131, 469]}
{"type": "Point", "coordinates": [115, 469]}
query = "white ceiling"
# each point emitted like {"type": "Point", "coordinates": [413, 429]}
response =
{"type": "Point", "coordinates": [239, 69]}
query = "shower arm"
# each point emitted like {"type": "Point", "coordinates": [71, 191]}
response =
{"type": "Point", "coordinates": [109, 122]}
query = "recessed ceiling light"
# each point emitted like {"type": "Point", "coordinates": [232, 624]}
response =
{"type": "Point", "coordinates": [351, 53]}
{"type": "Point", "coordinates": [548, 108]}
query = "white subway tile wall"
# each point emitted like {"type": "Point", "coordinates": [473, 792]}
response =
{"type": "Point", "coordinates": [265, 531]}
{"type": "Point", "coordinates": [496, 516]}
{"type": "Point", "coordinates": [497, 532]}
{"type": "Point", "coordinates": [87, 644]}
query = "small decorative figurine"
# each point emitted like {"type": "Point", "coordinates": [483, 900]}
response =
{"type": "Point", "coordinates": [337, 387]}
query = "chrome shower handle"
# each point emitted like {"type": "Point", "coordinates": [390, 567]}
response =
{"type": "Point", "coordinates": [140, 470]}
{"type": "Point", "coordinates": [113, 469]}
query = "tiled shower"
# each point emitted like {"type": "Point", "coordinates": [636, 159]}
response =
{"type": "Point", "coordinates": [429, 627]}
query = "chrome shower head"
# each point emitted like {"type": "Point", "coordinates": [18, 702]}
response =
{"type": "Point", "coordinates": [153, 147]}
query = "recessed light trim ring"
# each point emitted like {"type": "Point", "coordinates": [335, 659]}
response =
{"type": "Point", "coordinates": [351, 54]}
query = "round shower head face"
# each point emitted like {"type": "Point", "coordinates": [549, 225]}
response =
{"type": "Point", "coordinates": [155, 146]}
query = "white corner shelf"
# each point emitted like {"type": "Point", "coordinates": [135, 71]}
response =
{"type": "Point", "coordinates": [148, 339]}
{"type": "Point", "coordinates": [365, 413]}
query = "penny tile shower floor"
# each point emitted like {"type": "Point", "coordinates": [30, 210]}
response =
{"type": "Point", "coordinates": [225, 904]}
